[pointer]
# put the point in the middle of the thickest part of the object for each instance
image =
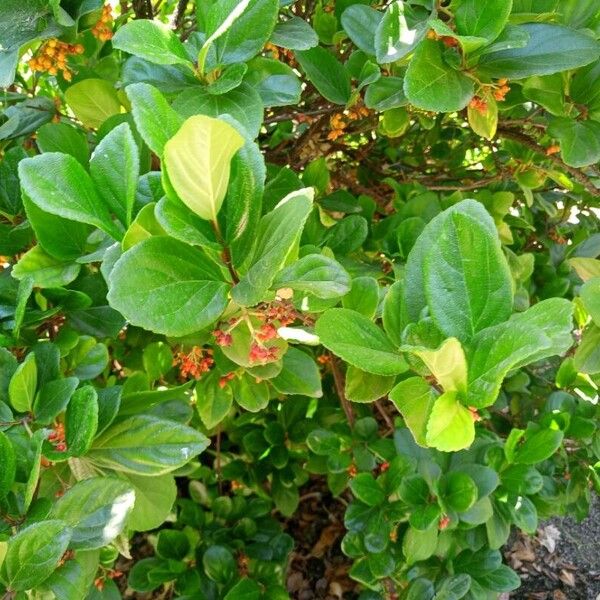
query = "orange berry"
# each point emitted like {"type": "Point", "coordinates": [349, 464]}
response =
{"type": "Point", "coordinates": [53, 70]}
{"type": "Point", "coordinates": [79, 49]}
{"type": "Point", "coordinates": [67, 75]}
{"type": "Point", "coordinates": [554, 149]}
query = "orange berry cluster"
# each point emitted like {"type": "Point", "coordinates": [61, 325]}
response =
{"type": "Point", "coordinates": [52, 57]}
{"type": "Point", "coordinates": [478, 104]}
{"type": "Point", "coordinates": [193, 364]}
{"type": "Point", "coordinates": [100, 582]}
{"type": "Point", "coordinates": [502, 89]}
{"type": "Point", "coordinates": [226, 379]}
{"type": "Point", "coordinates": [553, 149]}
{"type": "Point", "coordinates": [339, 121]}
{"type": "Point", "coordinates": [57, 438]}
{"type": "Point", "coordinates": [102, 30]}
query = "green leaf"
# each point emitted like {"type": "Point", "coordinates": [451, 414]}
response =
{"type": "Point", "coordinates": [419, 545]}
{"type": "Point", "coordinates": [172, 544]}
{"type": "Point", "coordinates": [81, 420]}
{"type": "Point", "coordinates": [366, 387]}
{"type": "Point", "coordinates": [247, 34]}
{"type": "Point", "coordinates": [482, 18]}
{"type": "Point", "coordinates": [146, 445]}
{"type": "Point", "coordinates": [579, 140]}
{"type": "Point", "coordinates": [394, 312]}
{"type": "Point", "coordinates": [367, 489]}
{"type": "Point", "coordinates": [386, 93]}
{"type": "Point", "coordinates": [204, 147]}
{"type": "Point", "coordinates": [590, 295]}
{"type": "Point", "coordinates": [156, 121]}
{"type": "Point", "coordinates": [144, 225]}
{"type": "Point", "coordinates": [152, 41]}
{"type": "Point", "coordinates": [430, 84]}
{"type": "Point", "coordinates": [444, 272]}
{"type": "Point", "coordinates": [33, 553]}
{"type": "Point", "coordinates": [467, 279]}
{"type": "Point", "coordinates": [451, 426]}
{"type": "Point", "coordinates": [360, 23]}
{"type": "Point", "coordinates": [315, 274]}
{"type": "Point", "coordinates": [538, 446]}
{"type": "Point", "coordinates": [323, 442]}
{"type": "Point", "coordinates": [23, 384]}
{"type": "Point", "coordinates": [326, 73]}
{"type": "Point", "coordinates": [454, 587]}
{"type": "Point", "coordinates": [363, 296]}
{"type": "Point", "coordinates": [184, 225]}
{"type": "Point", "coordinates": [245, 589]}
{"type": "Point", "coordinates": [393, 38]}
{"type": "Point", "coordinates": [359, 342]}
{"type": "Point", "coordinates": [294, 34]}
{"type": "Point", "coordinates": [250, 394]}
{"type": "Point", "coordinates": [275, 82]}
{"type": "Point", "coordinates": [414, 490]}
{"type": "Point", "coordinates": [115, 169]}
{"type": "Point", "coordinates": [213, 402]}
{"type": "Point", "coordinates": [543, 330]}
{"type": "Point", "coordinates": [447, 364]}
{"type": "Point", "coordinates": [96, 509]}
{"type": "Point", "coordinates": [167, 287]}
{"type": "Point", "coordinates": [243, 103]}
{"type": "Point", "coordinates": [60, 137]}
{"type": "Point", "coordinates": [277, 238]}
{"type": "Point", "coordinates": [58, 184]}
{"type": "Point", "coordinates": [72, 579]}
{"type": "Point", "coordinates": [53, 398]}
{"type": "Point", "coordinates": [299, 375]}
{"type": "Point", "coordinates": [8, 461]}
{"type": "Point", "coordinates": [457, 491]}
{"type": "Point", "coordinates": [587, 355]}
{"type": "Point", "coordinates": [62, 239]}
{"type": "Point", "coordinates": [93, 101]}
{"type": "Point", "coordinates": [414, 398]}
{"type": "Point", "coordinates": [484, 123]}
{"type": "Point", "coordinates": [154, 498]}
{"type": "Point", "coordinates": [586, 268]}
{"type": "Point", "coordinates": [551, 48]}
{"type": "Point", "coordinates": [219, 564]}
{"type": "Point", "coordinates": [45, 270]}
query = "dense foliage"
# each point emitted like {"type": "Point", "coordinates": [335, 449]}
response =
{"type": "Point", "coordinates": [256, 247]}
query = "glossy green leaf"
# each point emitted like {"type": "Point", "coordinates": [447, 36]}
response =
{"type": "Point", "coordinates": [551, 48]}
{"type": "Point", "coordinates": [152, 41]}
{"type": "Point", "coordinates": [359, 342]}
{"type": "Point", "coordinates": [485, 18]}
{"type": "Point", "coordinates": [33, 554]}
{"type": "Point", "coordinates": [277, 238]}
{"type": "Point", "coordinates": [326, 73]}
{"type": "Point", "coordinates": [81, 420]}
{"type": "Point", "coordinates": [23, 384]}
{"type": "Point", "coordinates": [316, 274]}
{"type": "Point", "coordinates": [93, 101]}
{"type": "Point", "coordinates": [58, 184]}
{"type": "Point", "coordinates": [114, 168]}
{"type": "Point", "coordinates": [168, 287]}
{"type": "Point", "coordinates": [96, 509]}
{"type": "Point", "coordinates": [414, 398]}
{"type": "Point", "coordinates": [146, 445]}
{"type": "Point", "coordinates": [431, 84]}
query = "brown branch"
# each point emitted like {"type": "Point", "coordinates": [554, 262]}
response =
{"type": "Point", "coordinates": [179, 14]}
{"type": "Point", "coordinates": [338, 379]}
{"type": "Point", "coordinates": [532, 144]}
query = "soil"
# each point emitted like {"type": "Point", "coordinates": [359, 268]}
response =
{"type": "Point", "coordinates": [562, 562]}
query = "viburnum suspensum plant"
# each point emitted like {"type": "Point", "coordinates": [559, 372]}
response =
{"type": "Point", "coordinates": [264, 261]}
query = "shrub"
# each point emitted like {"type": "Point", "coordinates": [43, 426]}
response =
{"type": "Point", "coordinates": [260, 248]}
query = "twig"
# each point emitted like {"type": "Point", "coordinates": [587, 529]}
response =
{"type": "Point", "coordinates": [338, 379]}
{"type": "Point", "coordinates": [179, 14]}
{"type": "Point", "coordinates": [532, 144]}
{"type": "Point", "coordinates": [385, 416]}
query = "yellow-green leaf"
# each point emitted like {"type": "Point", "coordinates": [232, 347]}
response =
{"type": "Point", "coordinates": [451, 426]}
{"type": "Point", "coordinates": [197, 159]}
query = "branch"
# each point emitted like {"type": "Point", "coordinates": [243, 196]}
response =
{"type": "Point", "coordinates": [338, 379]}
{"type": "Point", "coordinates": [532, 144]}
